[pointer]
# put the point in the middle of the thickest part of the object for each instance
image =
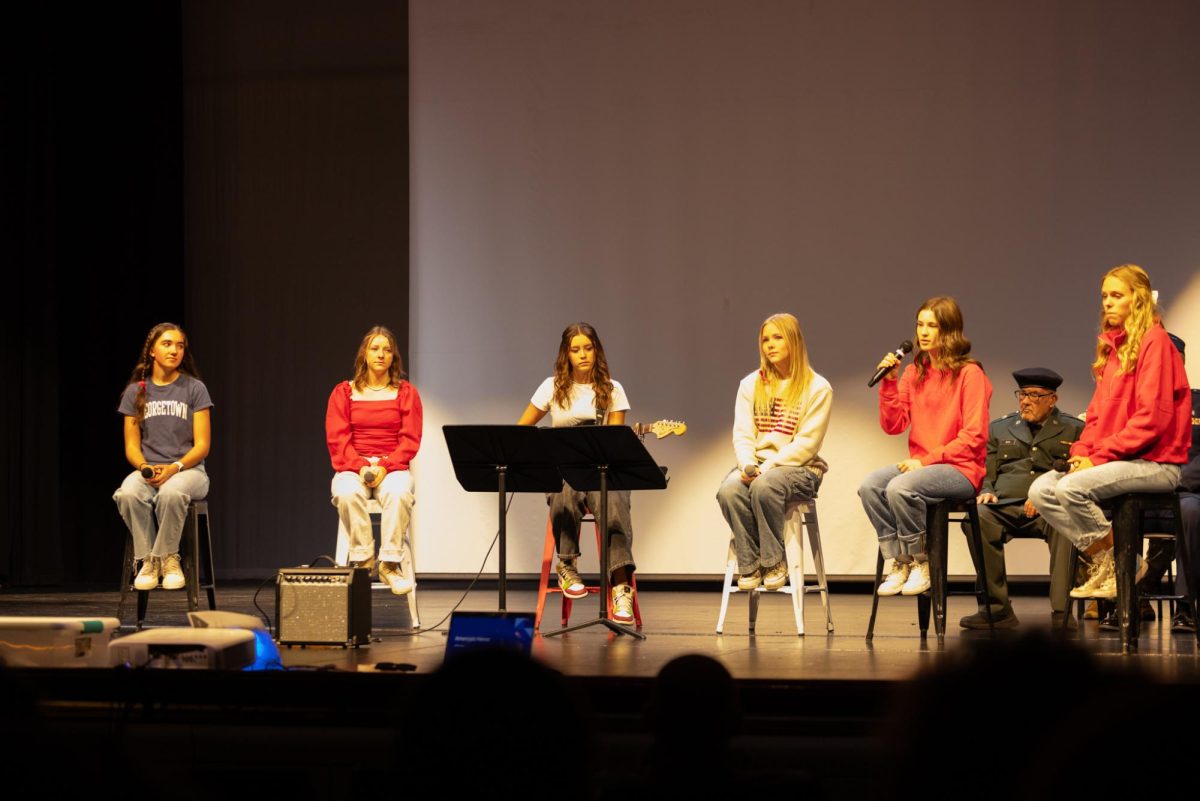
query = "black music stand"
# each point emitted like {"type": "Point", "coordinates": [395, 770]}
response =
{"type": "Point", "coordinates": [505, 458]}
{"type": "Point", "coordinates": [600, 458]}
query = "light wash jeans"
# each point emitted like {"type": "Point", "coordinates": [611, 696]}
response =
{"type": "Point", "coordinates": [1068, 500]}
{"type": "Point", "coordinates": [755, 512]}
{"type": "Point", "coordinates": [896, 502]}
{"type": "Point", "coordinates": [139, 505]}
{"type": "Point", "coordinates": [395, 495]}
{"type": "Point", "coordinates": [567, 509]}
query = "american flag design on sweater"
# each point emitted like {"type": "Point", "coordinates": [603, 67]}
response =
{"type": "Point", "coordinates": [780, 420]}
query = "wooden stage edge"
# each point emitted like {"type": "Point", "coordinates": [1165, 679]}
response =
{"type": "Point", "coordinates": [676, 622]}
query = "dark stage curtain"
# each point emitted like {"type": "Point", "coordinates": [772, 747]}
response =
{"type": "Point", "coordinates": [296, 224]}
{"type": "Point", "coordinates": [92, 247]}
{"type": "Point", "coordinates": [241, 169]}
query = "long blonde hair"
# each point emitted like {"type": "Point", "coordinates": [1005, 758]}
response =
{"type": "Point", "coordinates": [767, 387]}
{"type": "Point", "coordinates": [1143, 313]}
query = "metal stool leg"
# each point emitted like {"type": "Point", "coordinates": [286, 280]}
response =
{"type": "Point", "coordinates": [814, 542]}
{"type": "Point", "coordinates": [936, 527]}
{"type": "Point", "coordinates": [875, 595]}
{"type": "Point", "coordinates": [729, 586]}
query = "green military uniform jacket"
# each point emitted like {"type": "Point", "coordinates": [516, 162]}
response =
{"type": "Point", "coordinates": [1015, 456]}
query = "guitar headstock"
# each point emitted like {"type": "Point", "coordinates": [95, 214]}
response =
{"type": "Point", "coordinates": [664, 428]}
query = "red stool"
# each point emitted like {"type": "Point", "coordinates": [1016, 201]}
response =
{"type": "Point", "coordinates": [544, 587]}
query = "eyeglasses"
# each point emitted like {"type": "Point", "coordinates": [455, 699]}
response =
{"type": "Point", "coordinates": [1022, 394]}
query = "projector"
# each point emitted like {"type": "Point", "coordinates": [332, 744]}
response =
{"type": "Point", "coordinates": [187, 648]}
{"type": "Point", "coordinates": [56, 641]}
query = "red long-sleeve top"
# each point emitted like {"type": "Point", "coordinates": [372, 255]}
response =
{"type": "Point", "coordinates": [947, 417]}
{"type": "Point", "coordinates": [357, 429]}
{"type": "Point", "coordinates": [1145, 414]}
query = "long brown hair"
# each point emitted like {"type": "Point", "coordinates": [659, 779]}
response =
{"type": "Point", "coordinates": [395, 371]}
{"type": "Point", "coordinates": [144, 368]}
{"type": "Point", "coordinates": [952, 346]}
{"type": "Point", "coordinates": [1143, 313]}
{"type": "Point", "coordinates": [601, 381]}
{"type": "Point", "coordinates": [766, 388]}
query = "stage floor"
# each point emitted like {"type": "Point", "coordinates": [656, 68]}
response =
{"type": "Point", "coordinates": [676, 622]}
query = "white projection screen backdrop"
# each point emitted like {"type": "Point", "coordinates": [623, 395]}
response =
{"type": "Point", "coordinates": [673, 171]}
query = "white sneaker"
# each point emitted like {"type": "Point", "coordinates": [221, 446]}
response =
{"type": "Point", "coordinates": [1106, 587]}
{"type": "Point", "coordinates": [750, 581]}
{"type": "Point", "coordinates": [918, 579]}
{"type": "Point", "coordinates": [389, 574]}
{"type": "Point", "coordinates": [896, 578]}
{"type": "Point", "coordinates": [622, 601]}
{"type": "Point", "coordinates": [147, 576]}
{"type": "Point", "coordinates": [776, 577]}
{"type": "Point", "coordinates": [172, 573]}
{"type": "Point", "coordinates": [1100, 571]}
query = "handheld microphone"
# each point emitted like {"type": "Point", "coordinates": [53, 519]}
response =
{"type": "Point", "coordinates": [147, 472]}
{"type": "Point", "coordinates": [905, 347]}
{"type": "Point", "coordinates": [1062, 465]}
{"type": "Point", "coordinates": [369, 477]}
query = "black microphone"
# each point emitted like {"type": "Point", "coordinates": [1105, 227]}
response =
{"type": "Point", "coordinates": [1062, 465]}
{"type": "Point", "coordinates": [147, 472]}
{"type": "Point", "coordinates": [369, 477]}
{"type": "Point", "coordinates": [905, 347]}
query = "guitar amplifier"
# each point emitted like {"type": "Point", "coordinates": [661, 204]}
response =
{"type": "Point", "coordinates": [323, 606]}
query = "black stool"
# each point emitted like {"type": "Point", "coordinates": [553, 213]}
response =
{"type": "Point", "coordinates": [196, 546]}
{"type": "Point", "coordinates": [937, 527]}
{"type": "Point", "coordinates": [1129, 517]}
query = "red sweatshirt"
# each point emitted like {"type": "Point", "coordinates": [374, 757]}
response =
{"type": "Point", "coordinates": [390, 429]}
{"type": "Point", "coordinates": [948, 416]}
{"type": "Point", "coordinates": [1146, 414]}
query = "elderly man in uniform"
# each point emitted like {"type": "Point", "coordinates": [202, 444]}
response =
{"type": "Point", "coordinates": [1021, 447]}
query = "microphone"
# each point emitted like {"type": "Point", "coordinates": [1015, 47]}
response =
{"type": "Point", "coordinates": [369, 477]}
{"type": "Point", "coordinates": [1062, 465]}
{"type": "Point", "coordinates": [905, 347]}
{"type": "Point", "coordinates": [147, 472]}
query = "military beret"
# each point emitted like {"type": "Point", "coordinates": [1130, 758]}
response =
{"type": "Point", "coordinates": [1038, 377]}
{"type": "Point", "coordinates": [1179, 343]}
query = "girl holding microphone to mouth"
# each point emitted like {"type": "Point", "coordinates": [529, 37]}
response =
{"type": "Point", "coordinates": [942, 401]}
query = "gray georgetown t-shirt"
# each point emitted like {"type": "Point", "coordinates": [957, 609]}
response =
{"type": "Point", "coordinates": [167, 428]}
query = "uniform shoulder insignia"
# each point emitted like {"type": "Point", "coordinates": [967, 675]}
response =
{"type": "Point", "coordinates": [1010, 415]}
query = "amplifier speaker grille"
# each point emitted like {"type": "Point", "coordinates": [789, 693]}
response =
{"type": "Point", "coordinates": [323, 606]}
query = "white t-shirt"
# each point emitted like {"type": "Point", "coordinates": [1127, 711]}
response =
{"type": "Point", "coordinates": [582, 407]}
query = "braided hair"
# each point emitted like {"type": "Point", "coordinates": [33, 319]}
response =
{"type": "Point", "coordinates": [144, 368]}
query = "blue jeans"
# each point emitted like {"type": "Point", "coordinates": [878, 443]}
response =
{"type": "Point", "coordinates": [895, 504]}
{"type": "Point", "coordinates": [140, 503]}
{"type": "Point", "coordinates": [1068, 501]}
{"type": "Point", "coordinates": [755, 512]}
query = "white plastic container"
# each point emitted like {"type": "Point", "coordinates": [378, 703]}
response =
{"type": "Point", "coordinates": [56, 641]}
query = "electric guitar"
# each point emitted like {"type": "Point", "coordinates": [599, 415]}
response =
{"type": "Point", "coordinates": [661, 429]}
